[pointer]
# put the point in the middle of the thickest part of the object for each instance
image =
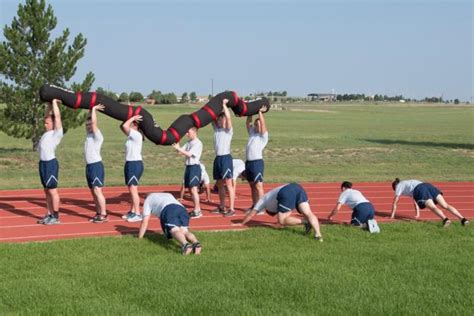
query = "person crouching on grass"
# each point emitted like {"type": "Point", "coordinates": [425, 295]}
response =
{"type": "Point", "coordinates": [424, 195]}
{"type": "Point", "coordinates": [48, 164]}
{"type": "Point", "coordinates": [192, 150]}
{"type": "Point", "coordinates": [281, 201]}
{"type": "Point", "coordinates": [363, 211]}
{"type": "Point", "coordinates": [174, 221]}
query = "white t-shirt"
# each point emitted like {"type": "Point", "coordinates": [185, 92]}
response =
{"type": "Point", "coordinates": [222, 140]}
{"type": "Point", "coordinates": [352, 198]}
{"type": "Point", "coordinates": [195, 148]}
{"type": "Point", "coordinates": [406, 187]}
{"type": "Point", "coordinates": [48, 143]}
{"type": "Point", "coordinates": [255, 145]}
{"type": "Point", "coordinates": [133, 146]}
{"type": "Point", "coordinates": [269, 201]}
{"type": "Point", "coordinates": [239, 166]}
{"type": "Point", "coordinates": [204, 176]}
{"type": "Point", "coordinates": [92, 147]}
{"type": "Point", "coordinates": [156, 202]}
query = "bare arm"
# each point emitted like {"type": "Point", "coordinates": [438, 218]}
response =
{"type": "Point", "coordinates": [417, 210]}
{"type": "Point", "coordinates": [94, 126]}
{"type": "Point", "coordinates": [143, 226]}
{"type": "Point", "coordinates": [180, 150]}
{"type": "Point", "coordinates": [334, 211]}
{"type": "Point", "coordinates": [126, 126]}
{"type": "Point", "coordinates": [394, 206]}
{"type": "Point", "coordinates": [228, 119]}
{"type": "Point", "coordinates": [249, 216]}
{"type": "Point", "coordinates": [263, 124]}
{"type": "Point", "coordinates": [248, 123]}
{"type": "Point", "coordinates": [57, 114]}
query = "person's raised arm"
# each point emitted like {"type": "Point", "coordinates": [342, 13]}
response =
{"type": "Point", "coordinates": [57, 115]}
{"type": "Point", "coordinates": [143, 226]}
{"type": "Point", "coordinates": [335, 210]}
{"type": "Point", "coordinates": [98, 107]}
{"type": "Point", "coordinates": [394, 206]}
{"type": "Point", "coordinates": [263, 124]}
{"type": "Point", "coordinates": [126, 126]}
{"type": "Point", "coordinates": [228, 119]}
{"type": "Point", "coordinates": [248, 123]}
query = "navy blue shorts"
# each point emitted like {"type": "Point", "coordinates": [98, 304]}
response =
{"type": "Point", "coordinates": [362, 213]}
{"type": "Point", "coordinates": [223, 168]}
{"type": "Point", "coordinates": [133, 171]}
{"type": "Point", "coordinates": [49, 173]}
{"type": "Point", "coordinates": [424, 192]}
{"type": "Point", "coordinates": [192, 176]}
{"type": "Point", "coordinates": [95, 174]}
{"type": "Point", "coordinates": [254, 170]}
{"type": "Point", "coordinates": [173, 215]}
{"type": "Point", "coordinates": [290, 196]}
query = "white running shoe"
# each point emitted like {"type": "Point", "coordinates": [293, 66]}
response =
{"type": "Point", "coordinates": [134, 218]}
{"type": "Point", "coordinates": [373, 226]}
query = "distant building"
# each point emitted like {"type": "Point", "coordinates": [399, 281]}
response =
{"type": "Point", "coordinates": [322, 97]}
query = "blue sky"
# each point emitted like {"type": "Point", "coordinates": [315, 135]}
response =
{"type": "Point", "coordinates": [414, 48]}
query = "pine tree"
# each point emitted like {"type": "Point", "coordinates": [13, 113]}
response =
{"type": "Point", "coordinates": [28, 59]}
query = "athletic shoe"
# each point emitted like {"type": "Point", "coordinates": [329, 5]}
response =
{"type": "Point", "coordinates": [52, 221]}
{"type": "Point", "coordinates": [129, 214]}
{"type": "Point", "coordinates": [92, 219]}
{"type": "Point", "coordinates": [307, 228]}
{"type": "Point", "coordinates": [218, 211]}
{"type": "Point", "coordinates": [446, 222]}
{"type": "Point", "coordinates": [464, 222]}
{"type": "Point", "coordinates": [197, 248]}
{"type": "Point", "coordinates": [100, 219]}
{"type": "Point", "coordinates": [44, 219]}
{"type": "Point", "coordinates": [373, 226]}
{"type": "Point", "coordinates": [186, 249]}
{"type": "Point", "coordinates": [134, 218]}
{"type": "Point", "coordinates": [195, 214]}
{"type": "Point", "coordinates": [318, 238]}
{"type": "Point", "coordinates": [229, 213]}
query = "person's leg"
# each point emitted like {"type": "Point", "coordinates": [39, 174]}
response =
{"type": "Point", "coordinates": [230, 187]}
{"type": "Point", "coordinates": [286, 219]}
{"type": "Point", "coordinates": [432, 206]}
{"type": "Point", "coordinates": [442, 202]}
{"type": "Point", "coordinates": [181, 193]}
{"type": "Point", "coordinates": [133, 189]}
{"type": "Point", "coordinates": [253, 191]}
{"type": "Point", "coordinates": [180, 236]}
{"type": "Point", "coordinates": [259, 191]}
{"type": "Point", "coordinates": [305, 209]}
{"type": "Point", "coordinates": [221, 189]}
{"type": "Point", "coordinates": [49, 204]}
{"type": "Point", "coordinates": [100, 201]}
{"type": "Point", "coordinates": [196, 245]}
{"type": "Point", "coordinates": [195, 196]}
{"type": "Point", "coordinates": [54, 195]}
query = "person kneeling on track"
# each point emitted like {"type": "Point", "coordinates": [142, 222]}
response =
{"type": "Point", "coordinates": [363, 211]}
{"type": "Point", "coordinates": [281, 201]}
{"type": "Point", "coordinates": [424, 195]}
{"type": "Point", "coordinates": [174, 221]}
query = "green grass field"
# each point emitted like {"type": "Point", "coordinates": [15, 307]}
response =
{"type": "Point", "coordinates": [410, 268]}
{"type": "Point", "coordinates": [310, 143]}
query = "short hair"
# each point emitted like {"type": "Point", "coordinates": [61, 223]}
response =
{"type": "Point", "coordinates": [394, 183]}
{"type": "Point", "coordinates": [346, 184]}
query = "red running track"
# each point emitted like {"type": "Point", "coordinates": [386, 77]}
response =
{"type": "Point", "coordinates": [20, 209]}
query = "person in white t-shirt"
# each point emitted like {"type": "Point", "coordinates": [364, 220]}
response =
{"type": "Point", "coordinates": [254, 165]}
{"type": "Point", "coordinates": [222, 169]}
{"type": "Point", "coordinates": [174, 221]}
{"type": "Point", "coordinates": [133, 168]}
{"type": "Point", "coordinates": [281, 201]}
{"type": "Point", "coordinates": [192, 150]}
{"type": "Point", "coordinates": [94, 167]}
{"type": "Point", "coordinates": [204, 185]}
{"type": "Point", "coordinates": [48, 164]}
{"type": "Point", "coordinates": [362, 209]}
{"type": "Point", "coordinates": [424, 195]}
